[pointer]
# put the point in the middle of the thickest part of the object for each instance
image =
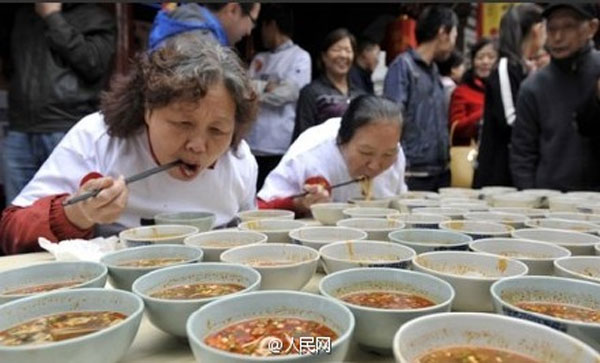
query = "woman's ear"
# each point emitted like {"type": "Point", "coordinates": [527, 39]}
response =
{"type": "Point", "coordinates": [147, 115]}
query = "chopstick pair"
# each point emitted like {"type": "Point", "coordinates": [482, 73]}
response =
{"type": "Point", "coordinates": [299, 195]}
{"type": "Point", "coordinates": [128, 180]}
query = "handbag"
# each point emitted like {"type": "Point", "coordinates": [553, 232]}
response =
{"type": "Point", "coordinates": [462, 162]}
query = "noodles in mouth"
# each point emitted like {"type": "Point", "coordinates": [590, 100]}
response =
{"type": "Point", "coordinates": [366, 186]}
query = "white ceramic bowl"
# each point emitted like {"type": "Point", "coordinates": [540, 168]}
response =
{"type": "Point", "coordinates": [585, 195]}
{"type": "Point", "coordinates": [329, 213]}
{"type": "Point", "coordinates": [407, 205]}
{"type": "Point", "coordinates": [563, 224]}
{"type": "Point", "coordinates": [344, 255]}
{"type": "Point", "coordinates": [517, 199]}
{"type": "Point", "coordinates": [588, 207]}
{"type": "Point", "coordinates": [122, 277]}
{"type": "Point", "coordinates": [597, 248]}
{"type": "Point", "coordinates": [416, 194]}
{"type": "Point", "coordinates": [87, 274]}
{"type": "Point", "coordinates": [375, 327]}
{"type": "Point", "coordinates": [453, 213]}
{"type": "Point", "coordinates": [204, 221]}
{"type": "Point", "coordinates": [498, 189]}
{"type": "Point", "coordinates": [159, 234]}
{"type": "Point", "coordinates": [528, 212]}
{"type": "Point", "coordinates": [171, 315]}
{"type": "Point", "coordinates": [422, 220]}
{"type": "Point", "coordinates": [576, 242]}
{"type": "Point", "coordinates": [292, 265]}
{"type": "Point", "coordinates": [255, 215]}
{"type": "Point", "coordinates": [585, 268]}
{"type": "Point", "coordinates": [373, 203]}
{"type": "Point", "coordinates": [509, 292]}
{"type": "Point", "coordinates": [214, 243]}
{"type": "Point", "coordinates": [427, 240]}
{"type": "Point", "coordinates": [478, 229]}
{"type": "Point", "coordinates": [377, 228]}
{"type": "Point", "coordinates": [538, 256]}
{"type": "Point", "coordinates": [217, 315]}
{"type": "Point", "coordinates": [459, 192]}
{"type": "Point", "coordinates": [511, 219]}
{"type": "Point", "coordinates": [316, 237]}
{"type": "Point", "coordinates": [475, 206]}
{"type": "Point", "coordinates": [573, 216]}
{"type": "Point", "coordinates": [565, 203]}
{"type": "Point", "coordinates": [360, 212]}
{"type": "Point", "coordinates": [470, 273]}
{"type": "Point", "coordinates": [105, 346]}
{"type": "Point", "coordinates": [276, 230]}
{"type": "Point", "coordinates": [427, 333]}
{"type": "Point", "coordinates": [544, 194]}
{"type": "Point", "coordinates": [451, 200]}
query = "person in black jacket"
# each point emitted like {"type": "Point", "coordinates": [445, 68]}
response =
{"type": "Point", "coordinates": [521, 36]}
{"type": "Point", "coordinates": [547, 149]}
{"type": "Point", "coordinates": [61, 57]}
{"type": "Point", "coordinates": [367, 57]}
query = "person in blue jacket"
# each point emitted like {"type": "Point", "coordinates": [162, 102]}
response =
{"type": "Point", "coordinates": [227, 23]}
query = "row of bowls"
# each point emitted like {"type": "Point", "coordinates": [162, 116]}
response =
{"type": "Point", "coordinates": [345, 318]}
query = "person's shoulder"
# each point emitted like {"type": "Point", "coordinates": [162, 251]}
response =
{"type": "Point", "coordinates": [300, 52]}
{"type": "Point", "coordinates": [92, 125]}
{"type": "Point", "coordinates": [241, 158]}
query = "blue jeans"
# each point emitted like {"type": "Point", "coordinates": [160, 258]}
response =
{"type": "Point", "coordinates": [23, 154]}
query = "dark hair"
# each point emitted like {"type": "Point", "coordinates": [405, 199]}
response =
{"type": "Point", "coordinates": [431, 19]}
{"type": "Point", "coordinates": [515, 25]}
{"type": "Point", "coordinates": [281, 14]}
{"type": "Point", "coordinates": [365, 43]}
{"type": "Point", "coordinates": [216, 6]}
{"type": "Point", "coordinates": [331, 38]}
{"type": "Point", "coordinates": [183, 69]}
{"type": "Point", "coordinates": [454, 60]}
{"type": "Point", "coordinates": [364, 110]}
{"type": "Point", "coordinates": [481, 43]}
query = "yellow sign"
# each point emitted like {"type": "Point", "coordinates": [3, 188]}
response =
{"type": "Point", "coordinates": [491, 13]}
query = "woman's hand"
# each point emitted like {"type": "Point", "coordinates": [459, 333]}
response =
{"type": "Point", "coordinates": [104, 208]}
{"type": "Point", "coordinates": [317, 193]}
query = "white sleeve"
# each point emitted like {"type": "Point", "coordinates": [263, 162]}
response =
{"type": "Point", "coordinates": [249, 200]}
{"type": "Point", "coordinates": [284, 181]}
{"type": "Point", "coordinates": [402, 187]}
{"type": "Point", "coordinates": [62, 171]}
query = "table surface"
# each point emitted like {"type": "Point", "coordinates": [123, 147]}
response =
{"type": "Point", "coordinates": [152, 345]}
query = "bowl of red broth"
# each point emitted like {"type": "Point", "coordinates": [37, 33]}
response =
{"type": "Point", "coordinates": [282, 266]}
{"type": "Point", "coordinates": [567, 305]}
{"type": "Point", "coordinates": [344, 255]}
{"type": "Point", "coordinates": [50, 276]}
{"type": "Point", "coordinates": [486, 338]}
{"type": "Point", "coordinates": [172, 294]}
{"type": "Point", "coordinates": [278, 326]}
{"type": "Point", "coordinates": [214, 243]}
{"type": "Point", "coordinates": [470, 273]}
{"type": "Point", "coordinates": [81, 325]}
{"type": "Point", "coordinates": [126, 265]}
{"type": "Point", "coordinates": [158, 234]}
{"type": "Point", "coordinates": [383, 299]}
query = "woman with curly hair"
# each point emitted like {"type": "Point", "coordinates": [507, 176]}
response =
{"type": "Point", "coordinates": [189, 100]}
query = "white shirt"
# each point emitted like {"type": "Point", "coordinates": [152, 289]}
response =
{"type": "Point", "coordinates": [225, 190]}
{"type": "Point", "coordinates": [289, 66]}
{"type": "Point", "coordinates": [316, 153]}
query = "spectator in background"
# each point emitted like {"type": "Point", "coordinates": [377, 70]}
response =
{"type": "Point", "coordinates": [61, 58]}
{"type": "Point", "coordinates": [367, 57]}
{"type": "Point", "coordinates": [541, 59]}
{"type": "Point", "coordinates": [547, 149]}
{"type": "Point", "coordinates": [279, 74]}
{"type": "Point", "coordinates": [466, 105]}
{"type": "Point", "coordinates": [228, 23]}
{"type": "Point", "coordinates": [328, 95]}
{"type": "Point", "coordinates": [522, 35]}
{"type": "Point", "coordinates": [413, 81]}
{"type": "Point", "coordinates": [452, 71]}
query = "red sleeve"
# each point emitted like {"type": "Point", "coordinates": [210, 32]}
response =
{"type": "Point", "coordinates": [465, 117]}
{"type": "Point", "coordinates": [288, 203]}
{"type": "Point", "coordinates": [20, 227]}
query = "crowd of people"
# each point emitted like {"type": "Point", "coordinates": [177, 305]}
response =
{"type": "Point", "coordinates": [269, 135]}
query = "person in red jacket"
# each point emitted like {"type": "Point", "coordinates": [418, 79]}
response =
{"type": "Point", "coordinates": [466, 104]}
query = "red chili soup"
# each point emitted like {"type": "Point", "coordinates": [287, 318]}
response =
{"type": "Point", "coordinates": [252, 337]}
{"type": "Point", "coordinates": [197, 291]}
{"type": "Point", "coordinates": [57, 327]}
{"type": "Point", "coordinates": [387, 300]}
{"type": "Point", "coordinates": [36, 289]}
{"type": "Point", "coordinates": [473, 354]}
{"type": "Point", "coordinates": [151, 262]}
{"type": "Point", "coordinates": [562, 311]}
